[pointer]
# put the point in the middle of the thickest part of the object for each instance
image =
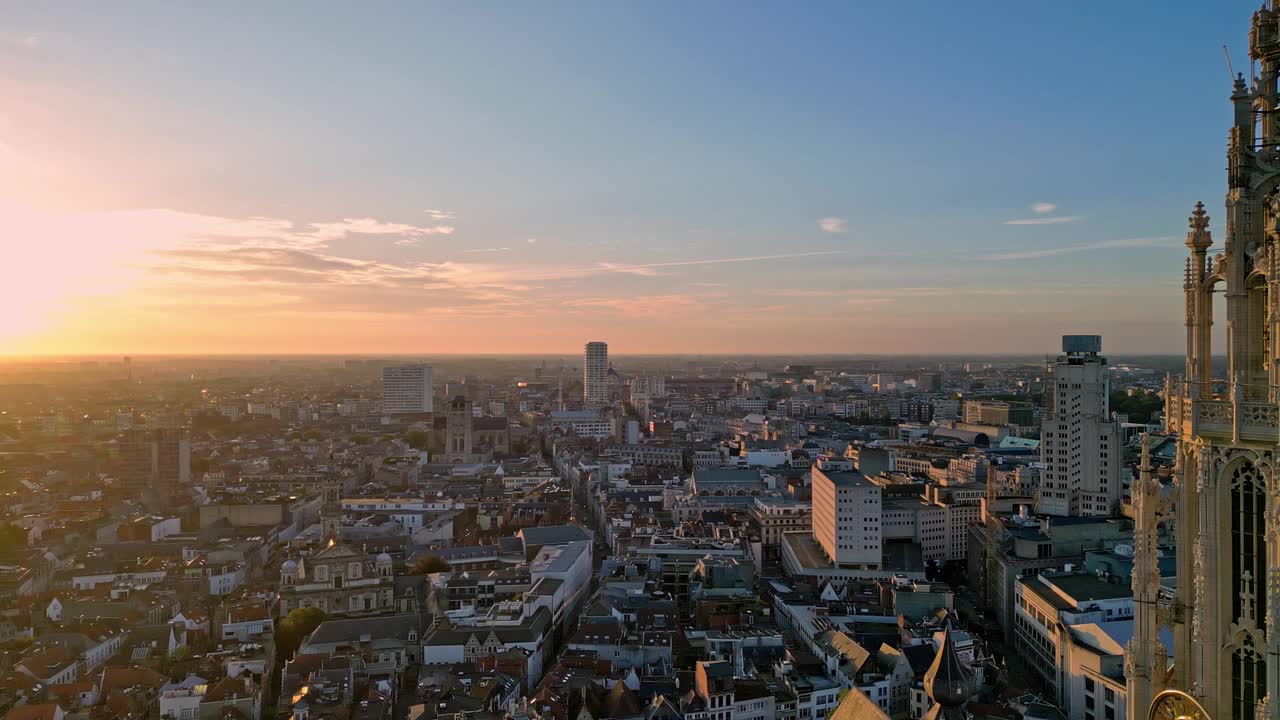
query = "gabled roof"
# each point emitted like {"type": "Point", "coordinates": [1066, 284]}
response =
{"type": "Point", "coordinates": [554, 535]}
{"type": "Point", "coordinates": [857, 706]}
{"type": "Point", "coordinates": [42, 711]}
{"type": "Point", "coordinates": [337, 551]}
{"type": "Point", "coordinates": [118, 678]}
{"type": "Point", "coordinates": [230, 688]}
{"type": "Point", "coordinates": [386, 627]}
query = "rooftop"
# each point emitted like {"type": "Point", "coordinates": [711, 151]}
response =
{"type": "Point", "coordinates": [844, 479]}
{"type": "Point", "coordinates": [1086, 587]}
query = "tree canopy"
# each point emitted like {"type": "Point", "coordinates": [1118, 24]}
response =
{"type": "Point", "coordinates": [298, 624]}
{"type": "Point", "coordinates": [1139, 406]}
{"type": "Point", "coordinates": [427, 564]}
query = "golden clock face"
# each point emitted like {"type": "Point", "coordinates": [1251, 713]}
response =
{"type": "Point", "coordinates": [1176, 705]}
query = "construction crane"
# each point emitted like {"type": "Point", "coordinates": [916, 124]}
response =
{"type": "Point", "coordinates": [992, 522]}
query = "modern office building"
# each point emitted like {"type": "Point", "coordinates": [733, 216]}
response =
{"type": "Point", "coordinates": [406, 389]}
{"type": "Point", "coordinates": [595, 374]}
{"type": "Point", "coordinates": [1080, 444]}
{"type": "Point", "coordinates": [846, 518]}
{"type": "Point", "coordinates": [158, 458]}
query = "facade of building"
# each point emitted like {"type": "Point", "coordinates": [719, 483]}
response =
{"type": "Point", "coordinates": [989, 412]}
{"type": "Point", "coordinates": [595, 374]}
{"type": "Point", "coordinates": [340, 581]}
{"type": "Point", "coordinates": [1224, 499]}
{"type": "Point", "coordinates": [1080, 445]}
{"type": "Point", "coordinates": [846, 518]}
{"type": "Point", "coordinates": [459, 443]}
{"type": "Point", "coordinates": [406, 389]}
{"type": "Point", "coordinates": [157, 457]}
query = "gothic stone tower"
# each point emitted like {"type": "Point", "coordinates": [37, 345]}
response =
{"type": "Point", "coordinates": [1224, 500]}
{"type": "Point", "coordinates": [458, 441]}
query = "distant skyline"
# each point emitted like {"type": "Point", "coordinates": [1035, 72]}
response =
{"type": "Point", "coordinates": [450, 178]}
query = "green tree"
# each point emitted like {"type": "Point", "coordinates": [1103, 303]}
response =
{"type": "Point", "coordinates": [181, 653]}
{"type": "Point", "coordinates": [360, 439]}
{"type": "Point", "coordinates": [417, 439]}
{"type": "Point", "coordinates": [1139, 406]}
{"type": "Point", "coordinates": [427, 564]}
{"type": "Point", "coordinates": [298, 624]}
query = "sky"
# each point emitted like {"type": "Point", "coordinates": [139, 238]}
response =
{"type": "Point", "coordinates": [669, 177]}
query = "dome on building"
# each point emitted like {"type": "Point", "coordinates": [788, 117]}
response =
{"type": "Point", "coordinates": [383, 559]}
{"type": "Point", "coordinates": [289, 567]}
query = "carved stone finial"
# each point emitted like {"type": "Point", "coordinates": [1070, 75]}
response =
{"type": "Point", "coordinates": [1198, 238]}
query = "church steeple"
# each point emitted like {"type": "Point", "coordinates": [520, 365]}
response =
{"type": "Point", "coordinates": [949, 681]}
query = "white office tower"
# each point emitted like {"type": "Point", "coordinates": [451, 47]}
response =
{"type": "Point", "coordinates": [406, 389]}
{"type": "Point", "coordinates": [595, 374]}
{"type": "Point", "coordinates": [846, 518]}
{"type": "Point", "coordinates": [1080, 446]}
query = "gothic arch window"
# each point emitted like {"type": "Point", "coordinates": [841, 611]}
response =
{"type": "Point", "coordinates": [1256, 330]}
{"type": "Point", "coordinates": [1248, 678]}
{"type": "Point", "coordinates": [1248, 543]}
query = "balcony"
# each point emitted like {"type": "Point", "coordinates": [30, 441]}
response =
{"type": "Point", "coordinates": [1220, 410]}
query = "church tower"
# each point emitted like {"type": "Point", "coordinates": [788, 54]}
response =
{"type": "Point", "coordinates": [458, 440]}
{"type": "Point", "coordinates": [1223, 498]}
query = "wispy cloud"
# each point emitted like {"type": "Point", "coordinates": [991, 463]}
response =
{"type": "Point", "coordinates": [878, 295]}
{"type": "Point", "coordinates": [663, 306]}
{"type": "Point", "coordinates": [833, 224]}
{"type": "Point", "coordinates": [1086, 247]}
{"type": "Point", "coordinates": [652, 268]}
{"type": "Point", "coordinates": [487, 250]}
{"type": "Point", "coordinates": [441, 214]}
{"type": "Point", "coordinates": [1048, 220]}
{"type": "Point", "coordinates": [1043, 208]}
{"type": "Point", "coordinates": [27, 41]}
{"type": "Point", "coordinates": [408, 234]}
{"type": "Point", "coordinates": [532, 240]}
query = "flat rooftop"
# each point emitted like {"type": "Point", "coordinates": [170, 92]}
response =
{"type": "Point", "coordinates": [847, 478]}
{"type": "Point", "coordinates": [1085, 588]}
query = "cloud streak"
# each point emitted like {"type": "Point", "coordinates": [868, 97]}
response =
{"type": "Point", "coordinates": [652, 268]}
{"type": "Point", "coordinates": [1052, 220]}
{"type": "Point", "coordinates": [1086, 247]}
{"type": "Point", "coordinates": [1043, 208]}
{"type": "Point", "coordinates": [833, 225]}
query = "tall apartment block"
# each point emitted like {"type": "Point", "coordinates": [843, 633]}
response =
{"type": "Point", "coordinates": [595, 374]}
{"type": "Point", "coordinates": [406, 389]}
{"type": "Point", "coordinates": [846, 518]}
{"type": "Point", "coordinates": [1080, 445]}
{"type": "Point", "coordinates": [158, 458]}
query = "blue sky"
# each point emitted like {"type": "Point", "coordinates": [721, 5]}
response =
{"type": "Point", "coordinates": [673, 162]}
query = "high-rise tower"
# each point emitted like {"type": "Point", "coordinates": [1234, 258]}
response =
{"type": "Point", "coordinates": [1224, 499]}
{"type": "Point", "coordinates": [595, 374]}
{"type": "Point", "coordinates": [407, 389]}
{"type": "Point", "coordinates": [1080, 444]}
